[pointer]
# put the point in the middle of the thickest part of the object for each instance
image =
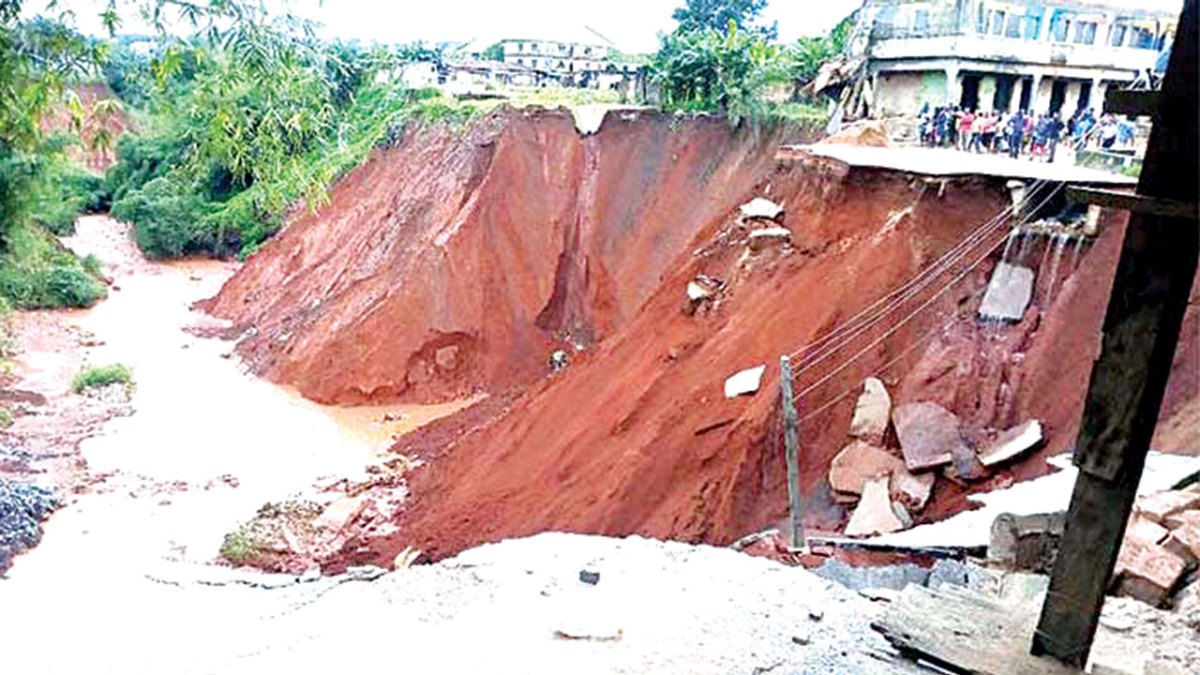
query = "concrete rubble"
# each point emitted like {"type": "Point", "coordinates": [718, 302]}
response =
{"type": "Point", "coordinates": [929, 435]}
{"type": "Point", "coordinates": [760, 208]}
{"type": "Point", "coordinates": [859, 463]}
{"type": "Point", "coordinates": [1008, 294]}
{"type": "Point", "coordinates": [875, 513]}
{"type": "Point", "coordinates": [23, 507]}
{"type": "Point", "coordinates": [767, 237]}
{"type": "Point", "coordinates": [872, 412]}
{"type": "Point", "coordinates": [1013, 443]}
{"type": "Point", "coordinates": [744, 382]}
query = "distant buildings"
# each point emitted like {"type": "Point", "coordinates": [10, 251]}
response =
{"type": "Point", "coordinates": [1058, 55]}
{"type": "Point", "coordinates": [577, 64]}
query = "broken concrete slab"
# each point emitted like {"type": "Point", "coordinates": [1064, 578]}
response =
{"type": "Point", "coordinates": [894, 577]}
{"type": "Point", "coordinates": [872, 412]}
{"type": "Point", "coordinates": [858, 463]}
{"type": "Point", "coordinates": [874, 514]}
{"type": "Point", "coordinates": [767, 237]}
{"type": "Point", "coordinates": [1008, 293]}
{"type": "Point", "coordinates": [1158, 507]}
{"type": "Point", "coordinates": [928, 434]}
{"type": "Point", "coordinates": [696, 292]}
{"type": "Point", "coordinates": [761, 208]}
{"type": "Point", "coordinates": [1183, 518]}
{"type": "Point", "coordinates": [1148, 573]}
{"type": "Point", "coordinates": [1185, 543]}
{"type": "Point", "coordinates": [1013, 443]}
{"type": "Point", "coordinates": [745, 382]}
{"type": "Point", "coordinates": [911, 489]}
{"type": "Point", "coordinates": [954, 573]}
{"type": "Point", "coordinates": [965, 464]}
{"type": "Point", "coordinates": [1142, 530]}
{"type": "Point", "coordinates": [1027, 543]}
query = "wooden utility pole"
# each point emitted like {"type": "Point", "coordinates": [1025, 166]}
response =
{"type": "Point", "coordinates": [791, 441]}
{"type": "Point", "coordinates": [1141, 329]}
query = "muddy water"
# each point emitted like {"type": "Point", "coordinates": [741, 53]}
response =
{"type": "Point", "coordinates": [207, 443]}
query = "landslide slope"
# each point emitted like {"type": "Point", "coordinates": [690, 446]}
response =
{"type": "Point", "coordinates": [458, 261]}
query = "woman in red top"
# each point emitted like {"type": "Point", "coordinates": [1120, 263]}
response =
{"type": "Point", "coordinates": [965, 120]}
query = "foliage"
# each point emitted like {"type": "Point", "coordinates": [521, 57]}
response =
{"type": "Point", "coordinates": [722, 15]}
{"type": "Point", "coordinates": [494, 52]}
{"type": "Point", "coordinates": [810, 53]}
{"type": "Point", "coordinates": [36, 272]}
{"type": "Point", "coordinates": [94, 377]}
{"type": "Point", "coordinates": [723, 71]}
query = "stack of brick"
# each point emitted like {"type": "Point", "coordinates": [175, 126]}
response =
{"type": "Point", "coordinates": [1161, 552]}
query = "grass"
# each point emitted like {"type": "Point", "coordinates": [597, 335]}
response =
{"type": "Point", "coordinates": [93, 377]}
{"type": "Point", "coordinates": [6, 418]}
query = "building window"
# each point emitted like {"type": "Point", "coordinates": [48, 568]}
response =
{"type": "Point", "coordinates": [997, 22]}
{"type": "Point", "coordinates": [981, 20]}
{"type": "Point", "coordinates": [1117, 37]}
{"type": "Point", "coordinates": [1033, 27]}
{"type": "Point", "coordinates": [1013, 28]}
{"type": "Point", "coordinates": [1059, 28]}
{"type": "Point", "coordinates": [1142, 38]}
{"type": "Point", "coordinates": [921, 20]}
{"type": "Point", "coordinates": [1085, 33]}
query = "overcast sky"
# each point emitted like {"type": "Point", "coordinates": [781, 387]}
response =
{"type": "Point", "coordinates": [632, 24]}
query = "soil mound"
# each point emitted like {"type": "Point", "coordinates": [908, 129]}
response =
{"type": "Point", "coordinates": [448, 264]}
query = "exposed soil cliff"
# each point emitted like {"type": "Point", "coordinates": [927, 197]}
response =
{"type": "Point", "coordinates": [444, 266]}
{"type": "Point", "coordinates": [450, 264]}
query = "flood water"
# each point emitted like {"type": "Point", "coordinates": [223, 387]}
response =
{"type": "Point", "coordinates": [206, 446]}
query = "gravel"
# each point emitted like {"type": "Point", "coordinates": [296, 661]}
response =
{"type": "Point", "coordinates": [23, 507]}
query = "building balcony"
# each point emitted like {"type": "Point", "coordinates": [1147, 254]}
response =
{"type": "Point", "coordinates": [943, 44]}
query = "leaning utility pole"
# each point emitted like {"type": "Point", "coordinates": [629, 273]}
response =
{"type": "Point", "coordinates": [1141, 329]}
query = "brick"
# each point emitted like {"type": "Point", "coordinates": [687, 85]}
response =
{"type": "Point", "coordinates": [1148, 573]}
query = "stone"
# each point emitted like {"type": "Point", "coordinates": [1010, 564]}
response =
{"type": "Point", "coordinates": [903, 514]}
{"type": "Point", "coordinates": [872, 412]}
{"type": "Point", "coordinates": [911, 489]}
{"type": "Point", "coordinates": [1148, 573]}
{"type": "Point", "coordinates": [1013, 443]}
{"type": "Point", "coordinates": [1008, 293]}
{"type": "Point", "coordinates": [1162, 505]}
{"type": "Point", "coordinates": [1182, 518]}
{"type": "Point", "coordinates": [1026, 543]}
{"type": "Point", "coordinates": [767, 237]}
{"type": "Point", "coordinates": [1142, 530]}
{"type": "Point", "coordinates": [446, 357]}
{"type": "Point", "coordinates": [1187, 601]}
{"type": "Point", "coordinates": [928, 435]}
{"type": "Point", "coordinates": [589, 577]}
{"type": "Point", "coordinates": [894, 577]}
{"type": "Point", "coordinates": [874, 514]}
{"type": "Point", "coordinates": [340, 513]}
{"type": "Point", "coordinates": [761, 208]}
{"type": "Point", "coordinates": [859, 462]}
{"type": "Point", "coordinates": [745, 382]}
{"type": "Point", "coordinates": [1185, 543]}
{"type": "Point", "coordinates": [965, 464]}
{"type": "Point", "coordinates": [946, 572]}
{"type": "Point", "coordinates": [696, 292]}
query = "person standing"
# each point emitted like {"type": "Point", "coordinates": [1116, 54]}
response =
{"type": "Point", "coordinates": [1016, 134]}
{"type": "Point", "coordinates": [1108, 132]}
{"type": "Point", "coordinates": [1055, 133]}
{"type": "Point", "coordinates": [965, 122]}
{"type": "Point", "coordinates": [977, 126]}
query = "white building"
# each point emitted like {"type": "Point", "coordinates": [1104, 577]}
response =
{"type": "Point", "coordinates": [1057, 55]}
{"type": "Point", "coordinates": [569, 63]}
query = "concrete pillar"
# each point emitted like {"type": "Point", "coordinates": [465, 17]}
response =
{"type": "Point", "coordinates": [987, 92]}
{"type": "Point", "coordinates": [1035, 90]}
{"type": "Point", "coordinates": [1071, 101]}
{"type": "Point", "coordinates": [1097, 100]}
{"type": "Point", "coordinates": [1045, 36]}
{"type": "Point", "coordinates": [953, 85]}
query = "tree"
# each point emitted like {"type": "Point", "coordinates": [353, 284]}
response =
{"type": "Point", "coordinates": [717, 15]}
{"type": "Point", "coordinates": [809, 53]}
{"type": "Point", "coordinates": [494, 52]}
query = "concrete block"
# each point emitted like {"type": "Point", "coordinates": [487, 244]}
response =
{"type": "Point", "coordinates": [872, 412]}
{"type": "Point", "coordinates": [911, 489]}
{"type": "Point", "coordinates": [1185, 543]}
{"type": "Point", "coordinates": [761, 208]}
{"type": "Point", "coordinates": [1008, 293]}
{"type": "Point", "coordinates": [1013, 443]}
{"type": "Point", "coordinates": [1148, 573]}
{"type": "Point", "coordinates": [1182, 518]}
{"type": "Point", "coordinates": [1160, 506]}
{"type": "Point", "coordinates": [929, 435]}
{"type": "Point", "coordinates": [746, 382]}
{"type": "Point", "coordinates": [874, 514]}
{"type": "Point", "coordinates": [858, 463]}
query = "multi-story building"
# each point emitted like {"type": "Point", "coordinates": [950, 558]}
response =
{"type": "Point", "coordinates": [570, 63]}
{"type": "Point", "coordinates": [1038, 55]}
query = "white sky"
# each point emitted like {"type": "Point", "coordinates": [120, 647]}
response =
{"type": "Point", "coordinates": [632, 24]}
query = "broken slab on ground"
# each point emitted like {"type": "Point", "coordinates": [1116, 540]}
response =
{"type": "Point", "coordinates": [874, 513]}
{"type": "Point", "coordinates": [761, 208]}
{"type": "Point", "coordinates": [1013, 443]}
{"type": "Point", "coordinates": [929, 435]}
{"type": "Point", "coordinates": [1008, 294]}
{"type": "Point", "coordinates": [858, 463]}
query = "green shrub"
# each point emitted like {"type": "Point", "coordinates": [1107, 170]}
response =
{"type": "Point", "coordinates": [92, 377]}
{"type": "Point", "coordinates": [36, 272]}
{"type": "Point", "coordinates": [6, 418]}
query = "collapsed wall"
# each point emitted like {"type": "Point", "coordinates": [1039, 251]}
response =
{"type": "Point", "coordinates": [455, 263]}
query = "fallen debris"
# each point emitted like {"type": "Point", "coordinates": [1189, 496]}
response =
{"type": "Point", "coordinates": [767, 237]}
{"type": "Point", "coordinates": [928, 434]}
{"type": "Point", "coordinates": [1159, 507]}
{"type": "Point", "coordinates": [872, 412]}
{"type": "Point", "coordinates": [23, 507]}
{"type": "Point", "coordinates": [761, 208]}
{"type": "Point", "coordinates": [858, 463]}
{"type": "Point", "coordinates": [1008, 294]}
{"type": "Point", "coordinates": [874, 514]}
{"type": "Point", "coordinates": [912, 489]}
{"type": "Point", "coordinates": [1013, 443]}
{"type": "Point", "coordinates": [745, 382]}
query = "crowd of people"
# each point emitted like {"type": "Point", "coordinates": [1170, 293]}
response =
{"type": "Point", "coordinates": [1020, 133]}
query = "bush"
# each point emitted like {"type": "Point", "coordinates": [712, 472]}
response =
{"type": "Point", "coordinates": [37, 273]}
{"type": "Point", "coordinates": [92, 377]}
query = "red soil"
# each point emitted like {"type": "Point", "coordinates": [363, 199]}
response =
{"type": "Point", "coordinates": [446, 265]}
{"type": "Point", "coordinates": [527, 237]}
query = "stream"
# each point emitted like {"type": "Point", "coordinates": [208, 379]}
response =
{"type": "Point", "coordinates": [206, 445]}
